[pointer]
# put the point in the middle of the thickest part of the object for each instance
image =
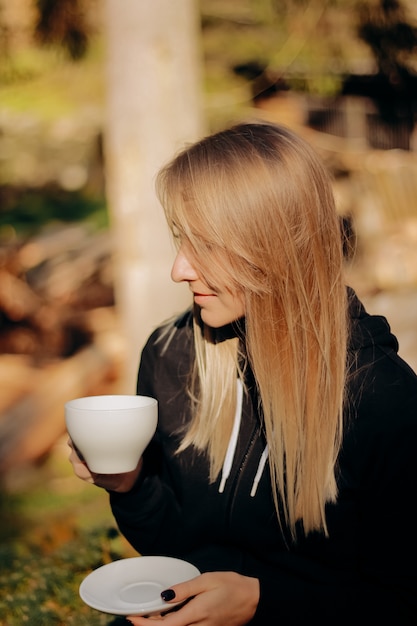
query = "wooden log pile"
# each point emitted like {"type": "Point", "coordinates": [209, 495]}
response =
{"type": "Point", "coordinates": [58, 335]}
{"type": "Point", "coordinates": [46, 285]}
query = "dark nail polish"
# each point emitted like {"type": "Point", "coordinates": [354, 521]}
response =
{"type": "Point", "coordinates": [168, 594]}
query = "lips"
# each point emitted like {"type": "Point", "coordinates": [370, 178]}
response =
{"type": "Point", "coordinates": [202, 298]}
{"type": "Point", "coordinates": [202, 294]}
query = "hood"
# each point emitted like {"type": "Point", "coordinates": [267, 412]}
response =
{"type": "Point", "coordinates": [368, 330]}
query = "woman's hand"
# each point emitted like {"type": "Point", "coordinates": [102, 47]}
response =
{"type": "Point", "coordinates": [217, 599]}
{"type": "Point", "coordinates": [113, 482]}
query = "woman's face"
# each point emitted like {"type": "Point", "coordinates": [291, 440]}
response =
{"type": "Point", "coordinates": [219, 306]}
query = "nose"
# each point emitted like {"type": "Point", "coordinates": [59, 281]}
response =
{"type": "Point", "coordinates": [182, 268]}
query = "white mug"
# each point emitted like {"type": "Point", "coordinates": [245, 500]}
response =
{"type": "Point", "coordinates": [111, 432]}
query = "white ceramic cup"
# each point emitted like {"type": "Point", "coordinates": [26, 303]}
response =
{"type": "Point", "coordinates": [111, 432]}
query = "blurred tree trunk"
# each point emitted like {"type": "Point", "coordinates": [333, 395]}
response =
{"type": "Point", "coordinates": [153, 109]}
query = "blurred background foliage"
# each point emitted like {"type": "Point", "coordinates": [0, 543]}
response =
{"type": "Point", "coordinates": [52, 82]}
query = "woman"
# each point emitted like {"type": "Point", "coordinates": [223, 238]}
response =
{"type": "Point", "coordinates": [284, 463]}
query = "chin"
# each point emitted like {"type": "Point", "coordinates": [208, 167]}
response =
{"type": "Point", "coordinates": [212, 323]}
{"type": "Point", "coordinates": [217, 321]}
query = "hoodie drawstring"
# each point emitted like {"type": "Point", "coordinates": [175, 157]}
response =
{"type": "Point", "coordinates": [231, 448]}
{"type": "Point", "coordinates": [261, 467]}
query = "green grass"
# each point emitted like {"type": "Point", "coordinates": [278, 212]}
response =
{"type": "Point", "coordinates": [54, 530]}
{"type": "Point", "coordinates": [41, 587]}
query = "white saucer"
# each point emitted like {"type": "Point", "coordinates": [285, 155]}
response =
{"type": "Point", "coordinates": [133, 586]}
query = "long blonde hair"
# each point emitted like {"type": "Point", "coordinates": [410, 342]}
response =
{"type": "Point", "coordinates": [256, 202]}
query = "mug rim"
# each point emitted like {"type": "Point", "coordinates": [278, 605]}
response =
{"type": "Point", "coordinates": [82, 403]}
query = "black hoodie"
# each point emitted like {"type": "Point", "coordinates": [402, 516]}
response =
{"type": "Point", "coordinates": [365, 570]}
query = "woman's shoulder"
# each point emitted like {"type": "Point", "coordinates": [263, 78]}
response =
{"type": "Point", "coordinates": [373, 346]}
{"type": "Point", "coordinates": [382, 389]}
{"type": "Point", "coordinates": [173, 335]}
{"type": "Point", "coordinates": [166, 357]}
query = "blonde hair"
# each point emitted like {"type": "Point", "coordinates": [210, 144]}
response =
{"type": "Point", "coordinates": [256, 202]}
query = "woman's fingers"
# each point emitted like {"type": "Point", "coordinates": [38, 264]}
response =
{"type": "Point", "coordinates": [113, 482]}
{"type": "Point", "coordinates": [214, 599]}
